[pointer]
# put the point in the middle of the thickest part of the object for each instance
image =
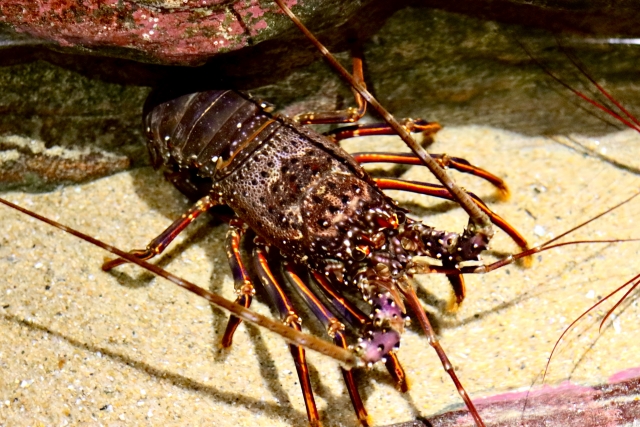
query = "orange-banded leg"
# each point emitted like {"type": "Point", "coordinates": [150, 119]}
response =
{"type": "Point", "coordinates": [290, 318]}
{"type": "Point", "coordinates": [335, 330]}
{"type": "Point", "coordinates": [356, 318]}
{"type": "Point", "coordinates": [396, 371]}
{"type": "Point", "coordinates": [160, 243]}
{"type": "Point", "coordinates": [417, 125]}
{"type": "Point", "coordinates": [243, 286]}
{"type": "Point", "coordinates": [439, 191]}
{"type": "Point", "coordinates": [372, 129]}
{"type": "Point", "coordinates": [459, 288]}
{"type": "Point", "coordinates": [444, 160]}
{"type": "Point", "coordinates": [350, 115]}
{"type": "Point", "coordinates": [456, 280]}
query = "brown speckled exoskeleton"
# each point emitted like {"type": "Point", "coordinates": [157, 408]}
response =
{"type": "Point", "coordinates": [315, 213]}
{"type": "Point", "coordinates": [309, 204]}
{"type": "Point", "coordinates": [305, 205]}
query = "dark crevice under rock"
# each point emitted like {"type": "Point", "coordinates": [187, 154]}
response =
{"type": "Point", "coordinates": [419, 62]}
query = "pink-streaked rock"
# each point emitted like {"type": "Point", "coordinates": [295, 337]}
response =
{"type": "Point", "coordinates": [183, 32]}
{"type": "Point", "coordinates": [614, 404]}
{"type": "Point", "coordinates": [422, 63]}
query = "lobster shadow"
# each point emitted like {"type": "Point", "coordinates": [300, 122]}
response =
{"type": "Point", "coordinates": [257, 406]}
{"type": "Point", "coordinates": [209, 234]}
{"type": "Point", "coordinates": [162, 197]}
{"type": "Point", "coordinates": [210, 238]}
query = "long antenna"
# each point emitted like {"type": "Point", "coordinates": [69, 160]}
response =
{"type": "Point", "coordinates": [340, 354]}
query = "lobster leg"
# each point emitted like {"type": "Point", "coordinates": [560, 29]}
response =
{"type": "Point", "coordinates": [160, 243]}
{"type": "Point", "coordinates": [356, 317]}
{"type": "Point", "coordinates": [455, 279]}
{"type": "Point", "coordinates": [350, 115]}
{"type": "Point", "coordinates": [397, 372]}
{"type": "Point", "coordinates": [291, 319]}
{"type": "Point", "coordinates": [458, 286]}
{"type": "Point", "coordinates": [334, 330]}
{"type": "Point", "coordinates": [441, 192]}
{"type": "Point", "coordinates": [444, 160]}
{"type": "Point", "coordinates": [453, 273]}
{"type": "Point", "coordinates": [243, 286]}
{"type": "Point", "coordinates": [373, 129]}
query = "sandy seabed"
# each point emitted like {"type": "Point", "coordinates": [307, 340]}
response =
{"type": "Point", "coordinates": [82, 347]}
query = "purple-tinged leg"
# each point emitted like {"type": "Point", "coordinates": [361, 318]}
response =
{"type": "Point", "coordinates": [291, 319]}
{"type": "Point", "coordinates": [334, 330]}
{"type": "Point", "coordinates": [356, 318]}
{"type": "Point", "coordinates": [243, 286]}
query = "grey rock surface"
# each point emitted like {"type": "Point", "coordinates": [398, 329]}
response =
{"type": "Point", "coordinates": [420, 62]}
{"type": "Point", "coordinates": [81, 346]}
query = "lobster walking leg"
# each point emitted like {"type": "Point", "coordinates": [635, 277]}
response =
{"type": "Point", "coordinates": [350, 115]}
{"type": "Point", "coordinates": [243, 286]}
{"type": "Point", "coordinates": [444, 160]}
{"type": "Point", "coordinates": [441, 192]}
{"type": "Point", "coordinates": [160, 243]}
{"type": "Point", "coordinates": [334, 330]}
{"type": "Point", "coordinates": [373, 129]}
{"type": "Point", "coordinates": [412, 299]}
{"type": "Point", "coordinates": [417, 125]}
{"type": "Point", "coordinates": [356, 318]}
{"type": "Point", "coordinates": [397, 372]}
{"type": "Point", "coordinates": [291, 319]}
